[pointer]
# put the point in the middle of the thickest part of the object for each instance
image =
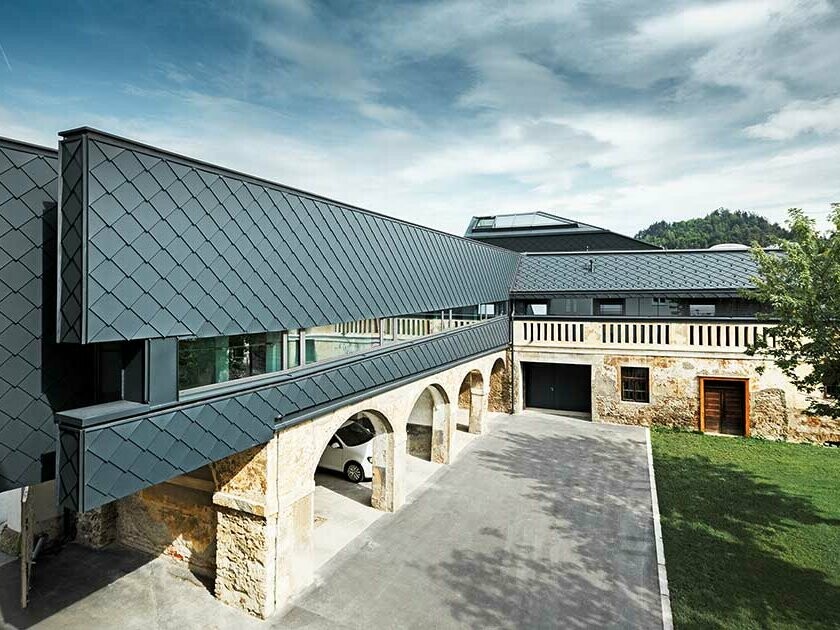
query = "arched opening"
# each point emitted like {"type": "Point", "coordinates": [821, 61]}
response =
{"type": "Point", "coordinates": [344, 506]}
{"type": "Point", "coordinates": [429, 426]}
{"type": "Point", "coordinates": [358, 460]}
{"type": "Point", "coordinates": [470, 415]}
{"type": "Point", "coordinates": [499, 398]}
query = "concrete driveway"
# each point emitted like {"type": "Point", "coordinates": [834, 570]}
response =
{"type": "Point", "coordinates": [544, 523]}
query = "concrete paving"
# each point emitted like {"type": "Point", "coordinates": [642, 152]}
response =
{"type": "Point", "coordinates": [544, 523]}
{"type": "Point", "coordinates": [342, 508]}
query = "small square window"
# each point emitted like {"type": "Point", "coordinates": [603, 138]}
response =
{"type": "Point", "coordinates": [635, 384]}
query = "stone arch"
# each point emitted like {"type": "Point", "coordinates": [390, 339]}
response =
{"type": "Point", "coordinates": [429, 426]}
{"type": "Point", "coordinates": [499, 397]}
{"type": "Point", "coordinates": [387, 470]}
{"type": "Point", "coordinates": [471, 397]}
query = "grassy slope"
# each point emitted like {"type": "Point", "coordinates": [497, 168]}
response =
{"type": "Point", "coordinates": [751, 529]}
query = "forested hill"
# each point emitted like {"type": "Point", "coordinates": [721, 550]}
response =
{"type": "Point", "coordinates": [720, 226]}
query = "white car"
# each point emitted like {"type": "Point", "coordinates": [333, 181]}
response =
{"type": "Point", "coordinates": [350, 451]}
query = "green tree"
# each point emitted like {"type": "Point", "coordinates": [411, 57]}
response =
{"type": "Point", "coordinates": [801, 287]}
{"type": "Point", "coordinates": [720, 226]}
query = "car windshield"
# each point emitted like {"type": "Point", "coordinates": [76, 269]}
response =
{"type": "Point", "coordinates": [354, 434]}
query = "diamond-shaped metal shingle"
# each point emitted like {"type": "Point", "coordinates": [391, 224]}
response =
{"type": "Point", "coordinates": [664, 271]}
{"type": "Point", "coordinates": [289, 259]}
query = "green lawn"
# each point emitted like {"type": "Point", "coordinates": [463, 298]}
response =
{"type": "Point", "coordinates": [751, 529]}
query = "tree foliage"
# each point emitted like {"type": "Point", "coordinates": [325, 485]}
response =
{"type": "Point", "coordinates": [720, 226]}
{"type": "Point", "coordinates": [801, 288]}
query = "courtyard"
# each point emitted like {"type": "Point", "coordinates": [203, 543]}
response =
{"type": "Point", "coordinates": [544, 521]}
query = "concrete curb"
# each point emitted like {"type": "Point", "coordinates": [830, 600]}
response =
{"type": "Point", "coordinates": [664, 593]}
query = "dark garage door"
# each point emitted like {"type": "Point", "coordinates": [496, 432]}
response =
{"type": "Point", "coordinates": [560, 386]}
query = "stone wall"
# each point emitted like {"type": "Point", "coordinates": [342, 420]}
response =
{"type": "Point", "coordinates": [464, 394]}
{"type": "Point", "coordinates": [98, 527]}
{"type": "Point", "coordinates": [499, 395]}
{"type": "Point", "coordinates": [171, 520]}
{"type": "Point", "coordinates": [776, 406]}
{"type": "Point", "coordinates": [419, 441]}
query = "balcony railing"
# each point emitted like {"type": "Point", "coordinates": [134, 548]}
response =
{"type": "Point", "coordinates": [705, 336]}
{"type": "Point", "coordinates": [406, 327]}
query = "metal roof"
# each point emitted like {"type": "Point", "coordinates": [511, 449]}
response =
{"type": "Point", "coordinates": [676, 271]}
{"type": "Point", "coordinates": [154, 244]}
{"type": "Point", "coordinates": [543, 231]}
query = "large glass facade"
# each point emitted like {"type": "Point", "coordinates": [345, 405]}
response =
{"type": "Point", "coordinates": [203, 362]}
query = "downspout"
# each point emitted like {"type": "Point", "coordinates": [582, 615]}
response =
{"type": "Point", "coordinates": [511, 286]}
{"type": "Point", "coordinates": [512, 359]}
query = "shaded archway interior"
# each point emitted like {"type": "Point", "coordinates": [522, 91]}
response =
{"type": "Point", "coordinates": [429, 426]}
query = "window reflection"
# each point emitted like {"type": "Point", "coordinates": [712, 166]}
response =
{"type": "Point", "coordinates": [293, 349]}
{"type": "Point", "coordinates": [214, 360]}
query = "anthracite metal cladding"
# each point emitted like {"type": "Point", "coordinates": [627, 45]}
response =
{"type": "Point", "coordinates": [103, 463]}
{"type": "Point", "coordinates": [71, 224]}
{"type": "Point", "coordinates": [713, 271]}
{"type": "Point", "coordinates": [577, 242]}
{"type": "Point", "coordinates": [175, 247]}
{"type": "Point", "coordinates": [32, 379]}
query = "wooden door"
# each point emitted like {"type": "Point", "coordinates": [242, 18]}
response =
{"type": "Point", "coordinates": [712, 407]}
{"type": "Point", "coordinates": [724, 407]}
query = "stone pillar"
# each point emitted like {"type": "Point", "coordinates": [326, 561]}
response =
{"type": "Point", "coordinates": [441, 434]}
{"type": "Point", "coordinates": [265, 502]}
{"type": "Point", "coordinates": [517, 404]}
{"type": "Point", "coordinates": [389, 461]}
{"type": "Point", "coordinates": [246, 534]}
{"type": "Point", "coordinates": [97, 527]}
{"type": "Point", "coordinates": [478, 404]}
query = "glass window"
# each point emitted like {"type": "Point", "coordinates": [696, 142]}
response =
{"type": "Point", "coordinates": [334, 340]}
{"type": "Point", "coordinates": [221, 359]}
{"type": "Point", "coordinates": [196, 363]}
{"type": "Point", "coordinates": [425, 324]}
{"type": "Point", "coordinates": [701, 310]}
{"type": "Point", "coordinates": [216, 360]}
{"type": "Point", "coordinates": [292, 349]}
{"type": "Point", "coordinates": [831, 388]}
{"type": "Point", "coordinates": [635, 384]}
{"type": "Point", "coordinates": [610, 308]}
{"type": "Point", "coordinates": [537, 308]}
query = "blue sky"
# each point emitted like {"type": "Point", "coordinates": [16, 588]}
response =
{"type": "Point", "coordinates": [615, 113]}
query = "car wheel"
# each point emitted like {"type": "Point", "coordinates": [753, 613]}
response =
{"type": "Point", "coordinates": [354, 472]}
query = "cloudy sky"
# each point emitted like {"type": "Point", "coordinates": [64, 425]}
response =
{"type": "Point", "coordinates": [614, 112]}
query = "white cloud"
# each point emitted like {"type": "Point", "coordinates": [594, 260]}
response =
{"type": "Point", "coordinates": [615, 115]}
{"type": "Point", "coordinates": [709, 23]}
{"type": "Point", "coordinates": [821, 116]}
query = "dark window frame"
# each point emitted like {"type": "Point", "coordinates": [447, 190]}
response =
{"type": "Point", "coordinates": [635, 384]}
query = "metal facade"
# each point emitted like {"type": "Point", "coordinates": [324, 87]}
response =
{"type": "Point", "coordinates": [32, 381]}
{"type": "Point", "coordinates": [576, 242]}
{"type": "Point", "coordinates": [175, 247]}
{"type": "Point", "coordinates": [718, 272]}
{"type": "Point", "coordinates": [104, 462]}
